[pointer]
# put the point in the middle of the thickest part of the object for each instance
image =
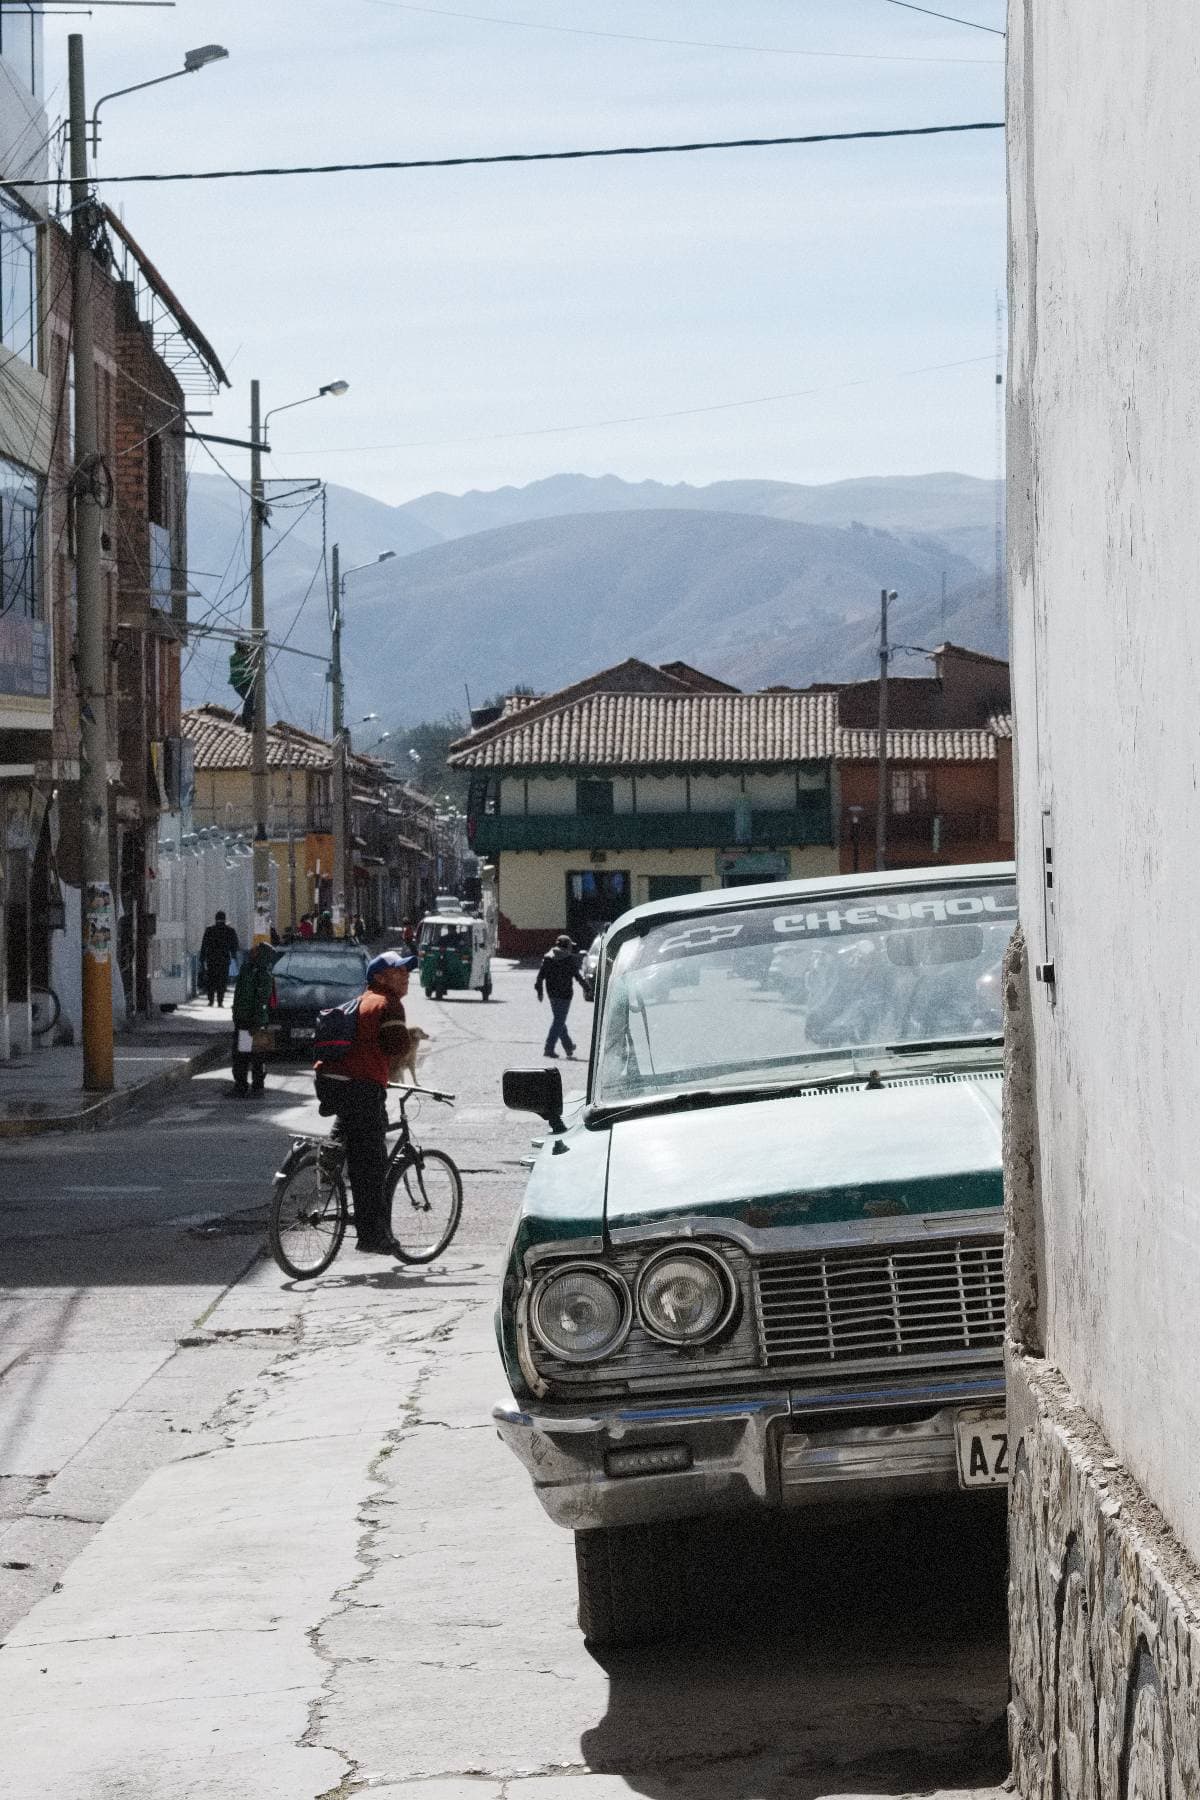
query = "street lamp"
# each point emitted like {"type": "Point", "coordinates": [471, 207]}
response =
{"type": "Point", "coordinates": [335, 388]}
{"type": "Point", "coordinates": [193, 62]}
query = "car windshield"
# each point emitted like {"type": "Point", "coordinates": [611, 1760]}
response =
{"type": "Point", "coordinates": [771, 992]}
{"type": "Point", "coordinates": [434, 934]}
{"type": "Point", "coordinates": [323, 967]}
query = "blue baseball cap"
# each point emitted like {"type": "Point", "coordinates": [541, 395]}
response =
{"type": "Point", "coordinates": [390, 959]}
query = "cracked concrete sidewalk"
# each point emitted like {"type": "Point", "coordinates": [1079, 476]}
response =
{"type": "Point", "coordinates": [183, 1646]}
{"type": "Point", "coordinates": [350, 1589]}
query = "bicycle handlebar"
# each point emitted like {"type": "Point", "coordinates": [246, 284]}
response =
{"type": "Point", "coordinates": [431, 1093]}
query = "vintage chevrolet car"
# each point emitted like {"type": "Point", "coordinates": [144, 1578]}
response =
{"type": "Point", "coordinates": [760, 1261]}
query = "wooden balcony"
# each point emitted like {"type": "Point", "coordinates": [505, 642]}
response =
{"type": "Point", "coordinates": [652, 831]}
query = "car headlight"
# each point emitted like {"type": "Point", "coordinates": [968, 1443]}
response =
{"type": "Point", "coordinates": [581, 1313]}
{"type": "Point", "coordinates": [686, 1296]}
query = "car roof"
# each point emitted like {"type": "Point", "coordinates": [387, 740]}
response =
{"type": "Point", "coordinates": [453, 918]}
{"type": "Point", "coordinates": [322, 947]}
{"type": "Point", "coordinates": [873, 882]}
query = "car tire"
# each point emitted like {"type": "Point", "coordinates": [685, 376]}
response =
{"type": "Point", "coordinates": [630, 1580]}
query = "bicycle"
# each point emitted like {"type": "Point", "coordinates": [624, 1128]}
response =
{"type": "Point", "coordinates": [310, 1208]}
{"type": "Point", "coordinates": [44, 1010]}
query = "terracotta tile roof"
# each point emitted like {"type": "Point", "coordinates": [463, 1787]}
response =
{"type": "Point", "coordinates": [1001, 725]}
{"type": "Point", "coordinates": [604, 730]}
{"type": "Point", "coordinates": [221, 743]}
{"type": "Point", "coordinates": [919, 746]}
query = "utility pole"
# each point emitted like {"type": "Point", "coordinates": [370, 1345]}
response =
{"type": "Point", "coordinates": [341, 833]}
{"type": "Point", "coordinates": [258, 633]}
{"type": "Point", "coordinates": [886, 596]}
{"type": "Point", "coordinates": [291, 843]}
{"type": "Point", "coordinates": [89, 484]}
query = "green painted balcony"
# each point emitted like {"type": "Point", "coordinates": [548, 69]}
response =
{"type": "Point", "coordinates": [653, 831]}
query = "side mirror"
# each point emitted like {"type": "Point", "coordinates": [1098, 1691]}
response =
{"type": "Point", "coordinates": [537, 1091]}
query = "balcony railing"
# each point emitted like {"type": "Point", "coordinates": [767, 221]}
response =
{"type": "Point", "coordinates": [935, 830]}
{"type": "Point", "coordinates": [652, 831]}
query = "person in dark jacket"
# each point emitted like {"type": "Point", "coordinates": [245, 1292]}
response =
{"type": "Point", "coordinates": [252, 996]}
{"type": "Point", "coordinates": [556, 980]}
{"type": "Point", "coordinates": [354, 1088]}
{"type": "Point", "coordinates": [218, 947]}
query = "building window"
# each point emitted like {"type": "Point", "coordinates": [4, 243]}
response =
{"type": "Point", "coordinates": [18, 281]}
{"type": "Point", "coordinates": [672, 887]}
{"type": "Point", "coordinates": [912, 791]}
{"type": "Point", "coordinates": [594, 799]}
{"type": "Point", "coordinates": [19, 497]}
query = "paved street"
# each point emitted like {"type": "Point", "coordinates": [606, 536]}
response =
{"type": "Point", "coordinates": [261, 1540]}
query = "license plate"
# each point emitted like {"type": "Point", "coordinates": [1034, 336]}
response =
{"type": "Point", "coordinates": [304, 1031]}
{"type": "Point", "coordinates": [982, 1450]}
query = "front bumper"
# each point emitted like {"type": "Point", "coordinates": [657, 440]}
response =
{"type": "Point", "coordinates": [777, 1449]}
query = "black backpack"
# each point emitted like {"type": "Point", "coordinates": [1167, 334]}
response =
{"type": "Point", "coordinates": [337, 1032]}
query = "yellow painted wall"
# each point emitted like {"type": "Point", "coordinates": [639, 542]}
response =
{"type": "Point", "coordinates": [532, 888]}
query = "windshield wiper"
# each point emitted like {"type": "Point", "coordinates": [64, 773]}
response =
{"type": "Point", "coordinates": [962, 1043]}
{"type": "Point", "coordinates": [691, 1099]}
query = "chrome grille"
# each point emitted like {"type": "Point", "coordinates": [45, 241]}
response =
{"type": "Point", "coordinates": [875, 1305]}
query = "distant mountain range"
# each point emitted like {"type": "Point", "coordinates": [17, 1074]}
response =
{"type": "Point", "coordinates": [756, 581]}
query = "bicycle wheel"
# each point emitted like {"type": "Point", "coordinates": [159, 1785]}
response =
{"type": "Point", "coordinates": [308, 1217]}
{"type": "Point", "coordinates": [424, 1195]}
{"type": "Point", "coordinates": [44, 1010]}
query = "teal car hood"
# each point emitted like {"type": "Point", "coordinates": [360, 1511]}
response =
{"type": "Point", "coordinates": [931, 1145]}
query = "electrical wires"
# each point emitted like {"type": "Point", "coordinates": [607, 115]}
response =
{"type": "Point", "coordinates": [971, 24]}
{"type": "Point", "coordinates": [631, 37]}
{"type": "Point", "coordinates": [536, 156]}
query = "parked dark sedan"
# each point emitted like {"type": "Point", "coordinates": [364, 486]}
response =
{"type": "Point", "coordinates": [308, 978]}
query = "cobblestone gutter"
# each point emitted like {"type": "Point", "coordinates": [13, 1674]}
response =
{"type": "Point", "coordinates": [1104, 1615]}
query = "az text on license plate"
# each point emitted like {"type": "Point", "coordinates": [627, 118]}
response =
{"type": "Point", "coordinates": [982, 1450]}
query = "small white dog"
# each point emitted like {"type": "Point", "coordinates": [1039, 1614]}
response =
{"type": "Point", "coordinates": [406, 1063]}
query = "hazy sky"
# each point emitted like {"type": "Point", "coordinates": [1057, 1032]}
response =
{"type": "Point", "coordinates": [470, 309]}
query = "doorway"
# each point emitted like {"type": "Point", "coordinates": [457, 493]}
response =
{"type": "Point", "coordinates": [595, 897]}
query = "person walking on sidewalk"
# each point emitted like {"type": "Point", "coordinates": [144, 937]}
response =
{"type": "Point", "coordinates": [353, 1086]}
{"type": "Point", "coordinates": [218, 947]}
{"type": "Point", "coordinates": [253, 994]}
{"type": "Point", "coordinates": [556, 979]}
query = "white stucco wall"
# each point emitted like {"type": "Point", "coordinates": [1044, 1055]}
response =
{"type": "Point", "coordinates": [1104, 497]}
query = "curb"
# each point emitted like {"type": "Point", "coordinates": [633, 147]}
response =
{"type": "Point", "coordinates": [92, 1118]}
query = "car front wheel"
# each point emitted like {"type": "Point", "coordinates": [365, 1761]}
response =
{"type": "Point", "coordinates": [630, 1583]}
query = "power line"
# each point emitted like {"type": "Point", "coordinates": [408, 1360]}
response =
{"type": "Point", "coordinates": [530, 156]}
{"type": "Point", "coordinates": [682, 412]}
{"type": "Point", "coordinates": [631, 37]}
{"type": "Point", "coordinates": [972, 24]}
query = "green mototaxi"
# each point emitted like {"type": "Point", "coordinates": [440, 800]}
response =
{"type": "Point", "coordinates": [455, 955]}
{"type": "Point", "coordinates": [759, 1263]}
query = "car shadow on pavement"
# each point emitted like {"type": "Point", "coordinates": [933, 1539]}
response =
{"type": "Point", "coordinates": [836, 1651]}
